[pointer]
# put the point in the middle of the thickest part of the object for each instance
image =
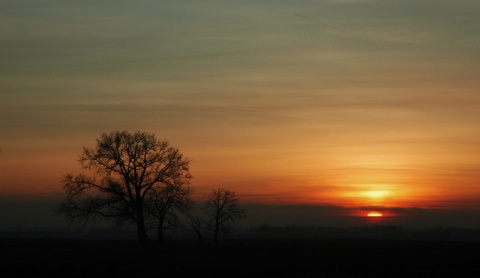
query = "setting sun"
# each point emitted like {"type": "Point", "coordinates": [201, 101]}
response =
{"type": "Point", "coordinates": [374, 214]}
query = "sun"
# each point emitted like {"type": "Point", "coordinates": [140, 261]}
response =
{"type": "Point", "coordinates": [374, 214]}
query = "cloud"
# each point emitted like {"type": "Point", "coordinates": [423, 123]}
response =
{"type": "Point", "coordinates": [403, 210]}
{"type": "Point", "coordinates": [338, 216]}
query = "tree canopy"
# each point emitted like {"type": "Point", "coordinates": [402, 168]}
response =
{"type": "Point", "coordinates": [126, 171]}
{"type": "Point", "coordinates": [222, 210]}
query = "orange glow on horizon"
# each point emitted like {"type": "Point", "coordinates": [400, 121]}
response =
{"type": "Point", "coordinates": [374, 214]}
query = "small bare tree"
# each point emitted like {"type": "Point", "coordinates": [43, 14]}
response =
{"type": "Point", "coordinates": [164, 204]}
{"type": "Point", "coordinates": [129, 168]}
{"type": "Point", "coordinates": [222, 210]}
{"type": "Point", "coordinates": [197, 222]}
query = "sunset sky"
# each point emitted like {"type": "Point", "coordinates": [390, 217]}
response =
{"type": "Point", "coordinates": [340, 103]}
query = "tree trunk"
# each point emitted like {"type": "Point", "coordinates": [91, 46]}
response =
{"type": "Point", "coordinates": [142, 234]}
{"type": "Point", "coordinates": [199, 236]}
{"type": "Point", "coordinates": [161, 235]}
{"type": "Point", "coordinates": [215, 234]}
{"type": "Point", "coordinates": [141, 230]}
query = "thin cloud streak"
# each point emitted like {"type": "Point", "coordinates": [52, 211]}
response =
{"type": "Point", "coordinates": [319, 22]}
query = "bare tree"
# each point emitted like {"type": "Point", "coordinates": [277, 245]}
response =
{"type": "Point", "coordinates": [128, 168]}
{"type": "Point", "coordinates": [164, 204]}
{"type": "Point", "coordinates": [222, 211]}
{"type": "Point", "coordinates": [197, 222]}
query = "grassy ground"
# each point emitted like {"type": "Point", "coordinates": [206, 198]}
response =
{"type": "Point", "coordinates": [239, 258]}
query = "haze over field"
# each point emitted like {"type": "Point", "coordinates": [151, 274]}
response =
{"type": "Point", "coordinates": [336, 107]}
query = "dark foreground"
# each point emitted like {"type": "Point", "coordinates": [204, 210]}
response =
{"type": "Point", "coordinates": [239, 258]}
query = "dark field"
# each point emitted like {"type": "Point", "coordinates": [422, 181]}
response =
{"type": "Point", "coordinates": [240, 258]}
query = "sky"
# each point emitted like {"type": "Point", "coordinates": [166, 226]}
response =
{"type": "Point", "coordinates": [330, 103]}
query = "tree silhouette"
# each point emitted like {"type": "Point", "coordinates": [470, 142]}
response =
{"type": "Point", "coordinates": [163, 205]}
{"type": "Point", "coordinates": [129, 169]}
{"type": "Point", "coordinates": [222, 210]}
{"type": "Point", "coordinates": [197, 222]}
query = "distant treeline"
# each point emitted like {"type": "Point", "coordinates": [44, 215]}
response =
{"type": "Point", "coordinates": [373, 232]}
{"type": "Point", "coordinates": [112, 233]}
{"type": "Point", "coordinates": [266, 232]}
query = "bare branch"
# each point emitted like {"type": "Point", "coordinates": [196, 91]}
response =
{"type": "Point", "coordinates": [131, 170]}
{"type": "Point", "coordinates": [222, 210]}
